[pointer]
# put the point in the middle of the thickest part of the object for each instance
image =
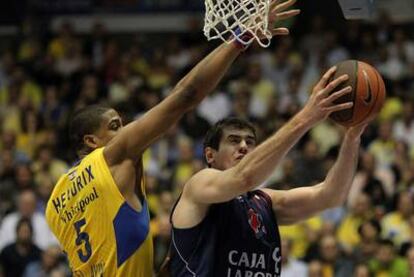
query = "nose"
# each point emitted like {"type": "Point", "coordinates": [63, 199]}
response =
{"type": "Point", "coordinates": [243, 146]}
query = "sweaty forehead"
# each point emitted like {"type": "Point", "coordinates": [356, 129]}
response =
{"type": "Point", "coordinates": [231, 131]}
{"type": "Point", "coordinates": [110, 115]}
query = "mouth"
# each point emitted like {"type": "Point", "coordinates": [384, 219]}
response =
{"type": "Point", "coordinates": [240, 157]}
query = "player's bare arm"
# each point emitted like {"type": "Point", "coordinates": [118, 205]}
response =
{"type": "Point", "coordinates": [134, 138]}
{"type": "Point", "coordinates": [214, 186]}
{"type": "Point", "coordinates": [298, 204]}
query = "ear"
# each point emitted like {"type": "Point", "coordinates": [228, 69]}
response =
{"type": "Point", "coordinates": [210, 154]}
{"type": "Point", "coordinates": [91, 141]}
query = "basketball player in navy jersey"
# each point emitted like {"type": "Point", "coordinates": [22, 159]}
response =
{"type": "Point", "coordinates": [222, 226]}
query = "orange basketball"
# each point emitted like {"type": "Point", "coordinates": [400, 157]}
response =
{"type": "Point", "coordinates": [368, 92]}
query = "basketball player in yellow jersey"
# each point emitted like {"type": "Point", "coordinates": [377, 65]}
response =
{"type": "Point", "coordinates": [98, 209]}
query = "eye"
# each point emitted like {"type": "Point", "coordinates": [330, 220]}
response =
{"type": "Point", "coordinates": [234, 140]}
{"type": "Point", "coordinates": [250, 142]}
{"type": "Point", "coordinates": [114, 126]}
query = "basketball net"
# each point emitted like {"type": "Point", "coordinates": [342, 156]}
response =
{"type": "Point", "coordinates": [231, 20]}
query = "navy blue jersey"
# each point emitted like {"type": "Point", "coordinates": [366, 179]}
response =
{"type": "Point", "coordinates": [236, 238]}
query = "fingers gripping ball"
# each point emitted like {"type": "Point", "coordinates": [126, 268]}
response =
{"type": "Point", "coordinates": [368, 92]}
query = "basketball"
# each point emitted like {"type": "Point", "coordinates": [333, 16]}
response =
{"type": "Point", "coordinates": [368, 92]}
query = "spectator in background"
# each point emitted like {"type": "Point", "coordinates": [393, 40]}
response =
{"type": "Point", "coordinates": [309, 165]}
{"type": "Point", "coordinates": [315, 269]}
{"type": "Point", "coordinates": [396, 225]}
{"type": "Point", "coordinates": [58, 46]}
{"type": "Point", "coordinates": [26, 208]}
{"type": "Point", "coordinates": [50, 263]}
{"type": "Point", "coordinates": [16, 256]}
{"type": "Point", "coordinates": [184, 167]}
{"type": "Point", "coordinates": [410, 258]}
{"type": "Point", "coordinates": [241, 99]}
{"type": "Point", "coordinates": [162, 228]}
{"type": "Point", "coordinates": [291, 266]}
{"type": "Point", "coordinates": [403, 127]}
{"type": "Point", "coordinates": [89, 91]}
{"type": "Point", "coordinates": [53, 110]}
{"type": "Point", "coordinates": [303, 236]}
{"type": "Point", "coordinates": [195, 126]}
{"type": "Point", "coordinates": [261, 90]}
{"type": "Point", "coordinates": [95, 45]}
{"type": "Point", "coordinates": [24, 177]}
{"type": "Point", "coordinates": [347, 232]}
{"type": "Point", "coordinates": [333, 261]}
{"type": "Point", "coordinates": [45, 162]}
{"type": "Point", "coordinates": [362, 270]}
{"type": "Point", "coordinates": [383, 147]}
{"type": "Point", "coordinates": [387, 263]}
{"type": "Point", "coordinates": [215, 107]}
{"type": "Point", "coordinates": [367, 180]}
{"type": "Point", "coordinates": [8, 143]}
{"type": "Point", "coordinates": [32, 133]}
{"type": "Point", "coordinates": [369, 234]}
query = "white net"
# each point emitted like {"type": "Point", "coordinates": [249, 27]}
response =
{"type": "Point", "coordinates": [233, 19]}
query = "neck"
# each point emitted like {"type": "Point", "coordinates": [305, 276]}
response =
{"type": "Point", "coordinates": [23, 247]}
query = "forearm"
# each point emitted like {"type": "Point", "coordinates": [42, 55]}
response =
{"type": "Point", "coordinates": [204, 77]}
{"type": "Point", "coordinates": [138, 135]}
{"type": "Point", "coordinates": [337, 184]}
{"type": "Point", "coordinates": [257, 166]}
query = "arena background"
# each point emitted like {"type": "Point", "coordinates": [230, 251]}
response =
{"type": "Point", "coordinates": [60, 55]}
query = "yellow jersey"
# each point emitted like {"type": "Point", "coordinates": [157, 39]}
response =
{"type": "Point", "coordinates": [101, 234]}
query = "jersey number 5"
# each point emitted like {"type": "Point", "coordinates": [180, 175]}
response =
{"type": "Point", "coordinates": [82, 237]}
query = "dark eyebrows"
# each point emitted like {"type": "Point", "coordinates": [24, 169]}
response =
{"type": "Point", "coordinates": [239, 137]}
{"type": "Point", "coordinates": [116, 120]}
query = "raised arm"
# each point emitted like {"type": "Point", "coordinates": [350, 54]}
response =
{"type": "Point", "coordinates": [212, 186]}
{"type": "Point", "coordinates": [298, 204]}
{"type": "Point", "coordinates": [134, 138]}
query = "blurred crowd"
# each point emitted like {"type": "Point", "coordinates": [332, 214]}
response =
{"type": "Point", "coordinates": [45, 78]}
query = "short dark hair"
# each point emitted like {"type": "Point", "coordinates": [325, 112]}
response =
{"type": "Point", "coordinates": [386, 242]}
{"type": "Point", "coordinates": [24, 221]}
{"type": "Point", "coordinates": [215, 133]}
{"type": "Point", "coordinates": [85, 121]}
{"type": "Point", "coordinates": [374, 223]}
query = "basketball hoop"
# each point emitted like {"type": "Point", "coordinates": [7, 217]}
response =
{"type": "Point", "coordinates": [231, 20]}
{"type": "Point", "coordinates": [357, 9]}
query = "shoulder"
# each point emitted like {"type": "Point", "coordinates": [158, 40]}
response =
{"type": "Point", "coordinates": [265, 194]}
{"type": "Point", "coordinates": [202, 176]}
{"type": "Point", "coordinates": [270, 194]}
{"type": "Point", "coordinates": [98, 153]}
{"type": "Point", "coordinates": [10, 219]}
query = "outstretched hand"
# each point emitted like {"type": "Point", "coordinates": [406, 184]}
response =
{"type": "Point", "coordinates": [321, 102]}
{"type": "Point", "coordinates": [279, 11]}
{"type": "Point", "coordinates": [357, 130]}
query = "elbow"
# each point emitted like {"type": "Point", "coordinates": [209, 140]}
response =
{"type": "Point", "coordinates": [336, 201]}
{"type": "Point", "coordinates": [187, 95]}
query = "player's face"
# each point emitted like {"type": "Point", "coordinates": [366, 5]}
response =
{"type": "Point", "coordinates": [234, 145]}
{"type": "Point", "coordinates": [110, 126]}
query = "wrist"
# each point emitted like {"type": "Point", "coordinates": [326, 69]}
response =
{"type": "Point", "coordinates": [242, 40]}
{"type": "Point", "coordinates": [306, 118]}
{"type": "Point", "coordinates": [351, 137]}
{"type": "Point", "coordinates": [303, 121]}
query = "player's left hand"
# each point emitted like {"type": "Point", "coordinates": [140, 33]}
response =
{"type": "Point", "coordinates": [279, 11]}
{"type": "Point", "coordinates": [356, 131]}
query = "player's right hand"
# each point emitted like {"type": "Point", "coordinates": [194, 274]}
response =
{"type": "Point", "coordinates": [321, 102]}
{"type": "Point", "coordinates": [281, 11]}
